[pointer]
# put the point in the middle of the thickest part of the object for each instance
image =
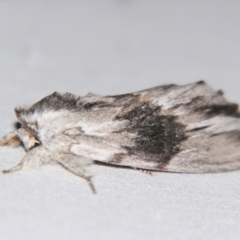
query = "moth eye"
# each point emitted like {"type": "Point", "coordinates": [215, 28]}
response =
{"type": "Point", "coordinates": [17, 125]}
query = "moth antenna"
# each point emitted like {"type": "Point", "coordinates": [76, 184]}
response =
{"type": "Point", "coordinates": [11, 139]}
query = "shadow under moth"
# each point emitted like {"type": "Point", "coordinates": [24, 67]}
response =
{"type": "Point", "coordinates": [187, 129]}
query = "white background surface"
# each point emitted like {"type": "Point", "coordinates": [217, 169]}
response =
{"type": "Point", "coordinates": [112, 48]}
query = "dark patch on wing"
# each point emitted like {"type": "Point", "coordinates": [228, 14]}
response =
{"type": "Point", "coordinates": [158, 136]}
{"type": "Point", "coordinates": [98, 104]}
{"type": "Point", "coordinates": [233, 134]}
{"type": "Point", "coordinates": [201, 105]}
{"type": "Point", "coordinates": [55, 102]}
{"type": "Point", "coordinates": [200, 82]}
{"type": "Point", "coordinates": [197, 129]}
{"type": "Point", "coordinates": [193, 104]}
{"type": "Point", "coordinates": [160, 88]}
{"type": "Point", "coordinates": [220, 92]}
{"type": "Point", "coordinates": [130, 98]}
{"type": "Point", "coordinates": [126, 101]}
{"type": "Point", "coordinates": [167, 86]}
{"type": "Point", "coordinates": [227, 109]}
{"type": "Point", "coordinates": [121, 96]}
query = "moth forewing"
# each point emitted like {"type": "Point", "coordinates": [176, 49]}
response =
{"type": "Point", "coordinates": [188, 128]}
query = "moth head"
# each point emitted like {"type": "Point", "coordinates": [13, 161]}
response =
{"type": "Point", "coordinates": [27, 139]}
{"type": "Point", "coordinates": [20, 137]}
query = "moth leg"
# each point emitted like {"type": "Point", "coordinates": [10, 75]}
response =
{"type": "Point", "coordinates": [32, 160]}
{"type": "Point", "coordinates": [14, 169]}
{"type": "Point", "coordinates": [81, 174]}
{"type": "Point", "coordinates": [146, 172]}
{"type": "Point", "coordinates": [76, 165]}
{"type": "Point", "coordinates": [25, 163]}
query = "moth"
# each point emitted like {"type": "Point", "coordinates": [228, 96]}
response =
{"type": "Point", "coordinates": [184, 129]}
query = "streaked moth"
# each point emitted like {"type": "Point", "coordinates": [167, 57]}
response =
{"type": "Point", "coordinates": [187, 129]}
